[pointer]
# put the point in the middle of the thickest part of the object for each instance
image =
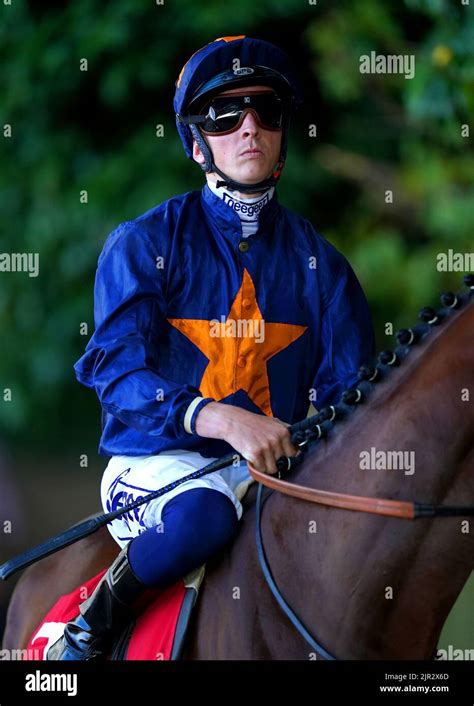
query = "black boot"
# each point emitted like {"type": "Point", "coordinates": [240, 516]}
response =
{"type": "Point", "coordinates": [102, 616]}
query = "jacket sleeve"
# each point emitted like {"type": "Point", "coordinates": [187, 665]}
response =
{"type": "Point", "coordinates": [347, 339]}
{"type": "Point", "coordinates": [120, 361]}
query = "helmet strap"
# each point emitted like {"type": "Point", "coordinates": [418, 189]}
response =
{"type": "Point", "coordinates": [233, 185]}
{"type": "Point", "coordinates": [204, 147]}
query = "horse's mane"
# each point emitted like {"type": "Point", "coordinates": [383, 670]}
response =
{"type": "Point", "coordinates": [402, 359]}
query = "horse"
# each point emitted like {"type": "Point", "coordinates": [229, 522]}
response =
{"type": "Point", "coordinates": [366, 586]}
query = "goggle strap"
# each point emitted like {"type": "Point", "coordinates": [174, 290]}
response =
{"type": "Point", "coordinates": [191, 119]}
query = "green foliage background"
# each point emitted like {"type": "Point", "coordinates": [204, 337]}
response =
{"type": "Point", "coordinates": [95, 130]}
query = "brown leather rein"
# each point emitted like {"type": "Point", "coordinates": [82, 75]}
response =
{"type": "Point", "coordinates": [378, 506]}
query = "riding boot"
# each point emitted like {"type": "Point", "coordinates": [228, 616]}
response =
{"type": "Point", "coordinates": [102, 616]}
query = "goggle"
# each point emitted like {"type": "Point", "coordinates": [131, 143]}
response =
{"type": "Point", "coordinates": [224, 114]}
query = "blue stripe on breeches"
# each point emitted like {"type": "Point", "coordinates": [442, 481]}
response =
{"type": "Point", "coordinates": [194, 525]}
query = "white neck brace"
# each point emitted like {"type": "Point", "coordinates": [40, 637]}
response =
{"type": "Point", "coordinates": [247, 209]}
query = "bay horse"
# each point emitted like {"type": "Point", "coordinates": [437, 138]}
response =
{"type": "Point", "coordinates": [367, 586]}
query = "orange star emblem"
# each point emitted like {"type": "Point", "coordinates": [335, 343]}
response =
{"type": "Point", "coordinates": [238, 347]}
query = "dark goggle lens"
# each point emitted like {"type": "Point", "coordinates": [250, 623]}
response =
{"type": "Point", "coordinates": [225, 114]}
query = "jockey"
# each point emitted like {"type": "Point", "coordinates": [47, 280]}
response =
{"type": "Point", "coordinates": [219, 316]}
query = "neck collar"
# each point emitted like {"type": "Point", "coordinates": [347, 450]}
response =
{"type": "Point", "coordinates": [228, 220]}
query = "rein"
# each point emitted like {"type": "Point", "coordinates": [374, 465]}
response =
{"type": "Point", "coordinates": [377, 506]}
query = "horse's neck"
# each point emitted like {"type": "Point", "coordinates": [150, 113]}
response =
{"type": "Point", "coordinates": [370, 586]}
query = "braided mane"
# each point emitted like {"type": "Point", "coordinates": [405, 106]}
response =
{"type": "Point", "coordinates": [373, 373]}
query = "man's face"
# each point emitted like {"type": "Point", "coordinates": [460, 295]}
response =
{"type": "Point", "coordinates": [231, 153]}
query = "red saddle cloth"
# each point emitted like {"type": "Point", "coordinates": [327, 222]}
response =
{"type": "Point", "coordinates": [152, 635]}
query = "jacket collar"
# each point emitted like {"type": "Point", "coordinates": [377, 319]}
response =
{"type": "Point", "coordinates": [228, 221]}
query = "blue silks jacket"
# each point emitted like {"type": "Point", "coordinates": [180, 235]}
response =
{"type": "Point", "coordinates": [187, 311]}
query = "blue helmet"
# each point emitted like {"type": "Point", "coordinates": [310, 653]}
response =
{"type": "Point", "coordinates": [231, 62]}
